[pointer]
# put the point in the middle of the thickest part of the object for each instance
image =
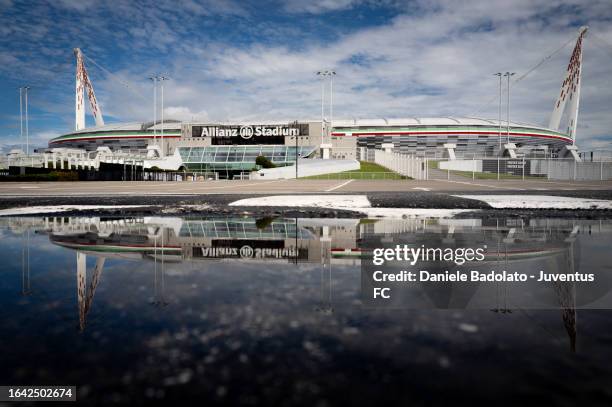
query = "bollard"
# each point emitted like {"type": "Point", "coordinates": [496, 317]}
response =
{"type": "Point", "coordinates": [498, 168]}
{"type": "Point", "coordinates": [473, 169]}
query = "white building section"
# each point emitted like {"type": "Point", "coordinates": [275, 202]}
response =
{"type": "Point", "coordinates": [307, 168]}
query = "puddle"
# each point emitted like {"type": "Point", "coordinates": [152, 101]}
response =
{"type": "Point", "coordinates": [245, 310]}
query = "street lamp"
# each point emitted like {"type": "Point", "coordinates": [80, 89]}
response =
{"type": "Point", "coordinates": [154, 79]}
{"type": "Point", "coordinates": [27, 121]}
{"type": "Point", "coordinates": [327, 74]}
{"type": "Point", "coordinates": [21, 117]}
{"type": "Point", "coordinates": [321, 74]}
{"type": "Point", "coordinates": [499, 152]}
{"type": "Point", "coordinates": [499, 74]}
{"type": "Point", "coordinates": [23, 100]}
{"type": "Point", "coordinates": [331, 99]}
{"type": "Point", "coordinates": [161, 79]}
{"type": "Point", "coordinates": [508, 75]}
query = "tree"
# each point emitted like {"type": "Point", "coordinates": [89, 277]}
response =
{"type": "Point", "coordinates": [264, 162]}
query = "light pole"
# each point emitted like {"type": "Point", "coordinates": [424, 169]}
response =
{"type": "Point", "coordinates": [154, 79]}
{"type": "Point", "coordinates": [25, 89]}
{"type": "Point", "coordinates": [508, 75]}
{"type": "Point", "coordinates": [327, 74]}
{"type": "Point", "coordinates": [499, 74]}
{"type": "Point", "coordinates": [499, 152]}
{"type": "Point", "coordinates": [161, 79]}
{"type": "Point", "coordinates": [321, 74]}
{"type": "Point", "coordinates": [297, 148]}
{"type": "Point", "coordinates": [21, 117]}
{"type": "Point", "coordinates": [331, 100]}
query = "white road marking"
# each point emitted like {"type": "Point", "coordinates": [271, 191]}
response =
{"type": "Point", "coordinates": [422, 189]}
{"type": "Point", "coordinates": [30, 210]}
{"type": "Point", "coordinates": [204, 188]}
{"type": "Point", "coordinates": [539, 202]}
{"type": "Point", "coordinates": [480, 185]}
{"type": "Point", "coordinates": [29, 187]}
{"type": "Point", "coordinates": [357, 203]}
{"type": "Point", "coordinates": [339, 186]}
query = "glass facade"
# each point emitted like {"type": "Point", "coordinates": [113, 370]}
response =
{"type": "Point", "coordinates": [232, 158]}
{"type": "Point", "coordinates": [249, 229]}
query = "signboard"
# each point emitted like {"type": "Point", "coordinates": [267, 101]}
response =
{"type": "Point", "coordinates": [249, 249]}
{"type": "Point", "coordinates": [249, 134]}
{"type": "Point", "coordinates": [508, 166]}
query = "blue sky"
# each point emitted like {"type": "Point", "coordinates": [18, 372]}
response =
{"type": "Point", "coordinates": [241, 60]}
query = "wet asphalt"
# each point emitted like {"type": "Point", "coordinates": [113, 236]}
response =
{"type": "Point", "coordinates": [217, 204]}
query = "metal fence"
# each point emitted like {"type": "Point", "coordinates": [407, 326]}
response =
{"type": "Point", "coordinates": [503, 168]}
{"type": "Point", "coordinates": [492, 168]}
{"type": "Point", "coordinates": [371, 175]}
{"type": "Point", "coordinates": [188, 176]}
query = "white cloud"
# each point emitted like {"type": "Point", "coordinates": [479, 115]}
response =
{"type": "Point", "coordinates": [184, 113]}
{"type": "Point", "coordinates": [318, 6]}
{"type": "Point", "coordinates": [436, 58]}
{"type": "Point", "coordinates": [78, 5]}
{"type": "Point", "coordinates": [37, 139]}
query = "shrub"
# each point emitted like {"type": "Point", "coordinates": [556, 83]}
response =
{"type": "Point", "coordinates": [264, 162]}
{"type": "Point", "coordinates": [263, 223]}
{"type": "Point", "coordinates": [52, 176]}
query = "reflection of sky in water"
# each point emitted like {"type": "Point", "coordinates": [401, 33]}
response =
{"type": "Point", "coordinates": [247, 332]}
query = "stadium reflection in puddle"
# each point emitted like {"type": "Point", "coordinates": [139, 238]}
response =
{"type": "Point", "coordinates": [244, 310]}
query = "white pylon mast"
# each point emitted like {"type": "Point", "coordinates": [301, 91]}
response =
{"type": "Point", "coordinates": [570, 89]}
{"type": "Point", "coordinates": [83, 83]}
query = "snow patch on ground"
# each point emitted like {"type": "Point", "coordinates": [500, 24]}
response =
{"type": "Point", "coordinates": [301, 201]}
{"type": "Point", "coordinates": [539, 202]}
{"type": "Point", "coordinates": [358, 203]}
{"type": "Point", "coordinates": [32, 210]}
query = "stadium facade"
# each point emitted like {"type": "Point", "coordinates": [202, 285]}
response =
{"type": "Point", "coordinates": [423, 137]}
{"type": "Point", "coordinates": [233, 147]}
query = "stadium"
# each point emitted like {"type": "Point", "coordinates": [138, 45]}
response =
{"type": "Point", "coordinates": [348, 141]}
{"type": "Point", "coordinates": [233, 147]}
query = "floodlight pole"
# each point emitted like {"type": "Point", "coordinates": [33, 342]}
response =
{"type": "Point", "coordinates": [21, 116]}
{"type": "Point", "coordinates": [325, 74]}
{"type": "Point", "coordinates": [508, 75]}
{"type": "Point", "coordinates": [499, 74]}
{"type": "Point", "coordinates": [161, 80]}
{"type": "Point", "coordinates": [321, 74]}
{"type": "Point", "coordinates": [27, 126]}
{"type": "Point", "coordinates": [331, 98]}
{"type": "Point", "coordinates": [154, 79]}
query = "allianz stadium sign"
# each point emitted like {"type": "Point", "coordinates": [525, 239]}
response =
{"type": "Point", "coordinates": [247, 132]}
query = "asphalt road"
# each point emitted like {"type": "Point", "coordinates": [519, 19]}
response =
{"type": "Point", "coordinates": [118, 188]}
